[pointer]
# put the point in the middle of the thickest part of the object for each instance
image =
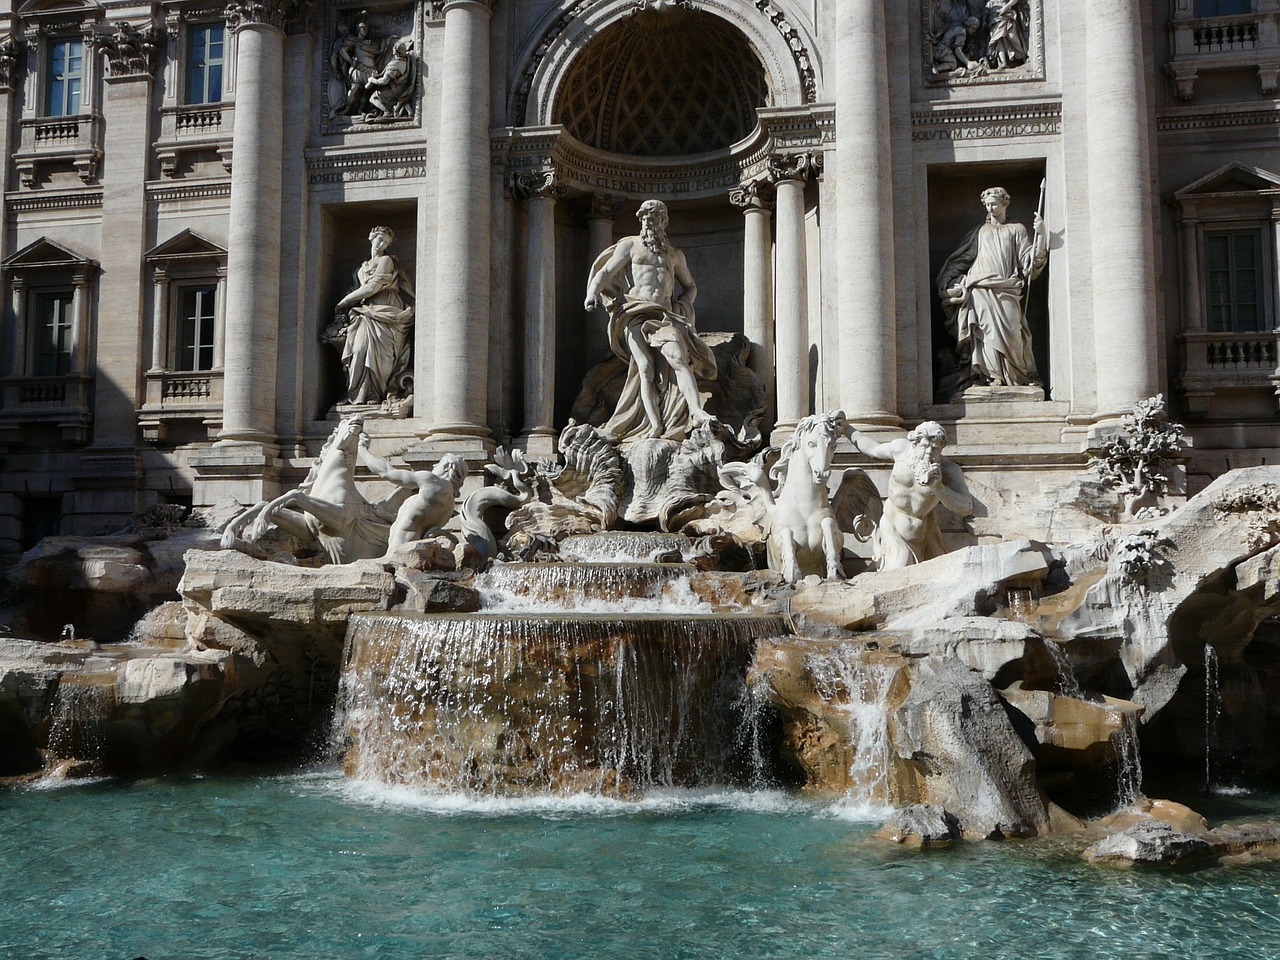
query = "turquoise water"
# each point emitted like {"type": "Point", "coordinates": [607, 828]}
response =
{"type": "Point", "coordinates": [312, 866]}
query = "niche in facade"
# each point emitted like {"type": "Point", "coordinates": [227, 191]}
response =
{"type": "Point", "coordinates": [365, 346]}
{"type": "Point", "coordinates": [988, 292]}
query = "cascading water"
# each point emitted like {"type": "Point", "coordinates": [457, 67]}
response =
{"type": "Point", "coordinates": [81, 708]}
{"type": "Point", "coordinates": [575, 677]}
{"type": "Point", "coordinates": [590, 588]}
{"type": "Point", "coordinates": [1212, 710]}
{"type": "Point", "coordinates": [1129, 764]}
{"type": "Point", "coordinates": [548, 703]}
{"type": "Point", "coordinates": [862, 686]}
{"type": "Point", "coordinates": [623, 546]}
{"type": "Point", "coordinates": [1068, 686]}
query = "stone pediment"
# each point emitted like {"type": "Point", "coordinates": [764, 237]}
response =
{"type": "Point", "coordinates": [58, 6]}
{"type": "Point", "coordinates": [1231, 178]}
{"type": "Point", "coordinates": [187, 245]}
{"type": "Point", "coordinates": [45, 253]}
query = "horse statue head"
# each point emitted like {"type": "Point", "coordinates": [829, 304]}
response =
{"type": "Point", "coordinates": [814, 440]}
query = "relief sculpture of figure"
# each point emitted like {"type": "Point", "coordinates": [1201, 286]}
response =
{"type": "Point", "coordinates": [982, 288]}
{"type": "Point", "coordinates": [374, 326]}
{"type": "Point", "coordinates": [359, 58]}
{"type": "Point", "coordinates": [1007, 43]}
{"type": "Point", "coordinates": [652, 329]}
{"type": "Point", "coordinates": [921, 478]}
{"type": "Point", "coordinates": [392, 86]}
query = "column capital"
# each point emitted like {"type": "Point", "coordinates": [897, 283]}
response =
{"type": "Point", "coordinates": [10, 53]}
{"type": "Point", "coordinates": [794, 166]}
{"type": "Point", "coordinates": [272, 13]}
{"type": "Point", "coordinates": [537, 184]}
{"type": "Point", "coordinates": [131, 52]}
{"type": "Point", "coordinates": [438, 8]}
{"type": "Point", "coordinates": [606, 206]}
{"type": "Point", "coordinates": [752, 196]}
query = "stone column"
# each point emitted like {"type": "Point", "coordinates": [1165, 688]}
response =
{"type": "Point", "coordinates": [253, 241]}
{"type": "Point", "coordinates": [540, 191]}
{"type": "Point", "coordinates": [867, 308]}
{"type": "Point", "coordinates": [1121, 243]}
{"type": "Point", "coordinates": [462, 228]}
{"type": "Point", "coordinates": [789, 175]}
{"type": "Point", "coordinates": [604, 210]}
{"type": "Point", "coordinates": [755, 200]}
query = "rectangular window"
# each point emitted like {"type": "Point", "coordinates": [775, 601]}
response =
{"type": "Point", "coordinates": [196, 322]}
{"type": "Point", "coordinates": [205, 59]}
{"type": "Point", "coordinates": [54, 333]}
{"type": "Point", "coordinates": [66, 78]}
{"type": "Point", "coordinates": [1233, 261]}
{"type": "Point", "coordinates": [1223, 8]}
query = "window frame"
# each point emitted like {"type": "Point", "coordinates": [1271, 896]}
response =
{"type": "Point", "coordinates": [64, 358]}
{"type": "Point", "coordinates": [178, 342]}
{"type": "Point", "coordinates": [1233, 302]}
{"type": "Point", "coordinates": [190, 32]}
{"type": "Point", "coordinates": [63, 108]}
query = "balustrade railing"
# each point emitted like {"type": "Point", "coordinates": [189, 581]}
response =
{"type": "Point", "coordinates": [1214, 34]}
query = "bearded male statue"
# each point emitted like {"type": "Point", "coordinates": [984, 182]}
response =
{"type": "Point", "coordinates": [920, 480]}
{"type": "Point", "coordinates": [652, 329]}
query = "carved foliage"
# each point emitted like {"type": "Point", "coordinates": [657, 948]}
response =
{"type": "Point", "coordinates": [10, 49]}
{"type": "Point", "coordinates": [1134, 460]}
{"type": "Point", "coordinates": [1261, 504]}
{"type": "Point", "coordinates": [280, 14]}
{"type": "Point", "coordinates": [130, 51]}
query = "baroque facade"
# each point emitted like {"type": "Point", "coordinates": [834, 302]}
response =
{"type": "Point", "coordinates": [189, 188]}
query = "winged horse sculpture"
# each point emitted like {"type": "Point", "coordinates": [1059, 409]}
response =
{"type": "Point", "coordinates": [801, 504]}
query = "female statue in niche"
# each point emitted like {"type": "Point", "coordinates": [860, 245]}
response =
{"type": "Point", "coordinates": [373, 326]}
{"type": "Point", "coordinates": [982, 287]}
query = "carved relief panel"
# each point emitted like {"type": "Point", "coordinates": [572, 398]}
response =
{"type": "Point", "coordinates": [982, 41]}
{"type": "Point", "coordinates": [372, 72]}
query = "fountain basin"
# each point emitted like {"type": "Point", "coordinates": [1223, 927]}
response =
{"type": "Point", "coordinates": [495, 703]}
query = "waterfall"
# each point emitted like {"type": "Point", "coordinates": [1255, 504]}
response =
{"type": "Point", "coordinates": [1212, 710]}
{"type": "Point", "coordinates": [590, 588]}
{"type": "Point", "coordinates": [1129, 767]}
{"type": "Point", "coordinates": [81, 708]}
{"type": "Point", "coordinates": [1068, 686]}
{"type": "Point", "coordinates": [861, 687]}
{"type": "Point", "coordinates": [1020, 605]}
{"type": "Point", "coordinates": [623, 546]}
{"type": "Point", "coordinates": [558, 703]}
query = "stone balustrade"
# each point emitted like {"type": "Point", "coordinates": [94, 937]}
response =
{"type": "Point", "coordinates": [1243, 41]}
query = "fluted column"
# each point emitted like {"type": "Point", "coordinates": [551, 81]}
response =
{"type": "Point", "coordinates": [789, 175]}
{"type": "Point", "coordinates": [755, 200]}
{"type": "Point", "coordinates": [253, 235]}
{"type": "Point", "coordinates": [462, 226]}
{"type": "Point", "coordinates": [867, 308]}
{"type": "Point", "coordinates": [1121, 242]}
{"type": "Point", "coordinates": [541, 191]}
{"type": "Point", "coordinates": [604, 210]}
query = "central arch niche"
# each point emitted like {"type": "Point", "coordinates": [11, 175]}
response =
{"type": "Point", "coordinates": [664, 84]}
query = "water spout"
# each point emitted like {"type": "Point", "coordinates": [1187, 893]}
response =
{"type": "Point", "coordinates": [1212, 710]}
{"type": "Point", "coordinates": [1129, 767]}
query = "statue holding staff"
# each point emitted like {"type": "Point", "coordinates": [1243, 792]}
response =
{"type": "Point", "coordinates": [983, 286]}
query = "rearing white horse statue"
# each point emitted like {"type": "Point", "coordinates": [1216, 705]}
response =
{"type": "Point", "coordinates": [327, 507]}
{"type": "Point", "coordinates": [796, 508]}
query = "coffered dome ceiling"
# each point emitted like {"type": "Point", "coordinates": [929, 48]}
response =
{"type": "Point", "coordinates": [663, 84]}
